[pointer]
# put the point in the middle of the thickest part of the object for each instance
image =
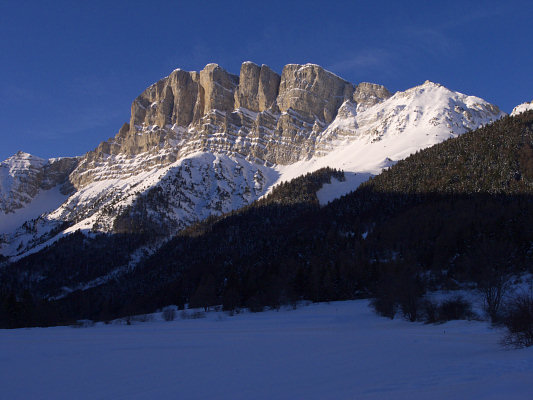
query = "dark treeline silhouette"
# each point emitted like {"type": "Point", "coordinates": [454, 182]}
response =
{"type": "Point", "coordinates": [461, 211]}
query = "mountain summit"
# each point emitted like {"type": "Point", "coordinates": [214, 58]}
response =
{"type": "Point", "coordinates": [208, 142]}
{"type": "Point", "coordinates": [522, 108]}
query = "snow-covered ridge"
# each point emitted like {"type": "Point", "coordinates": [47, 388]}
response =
{"type": "Point", "coordinates": [430, 106]}
{"type": "Point", "coordinates": [14, 172]}
{"type": "Point", "coordinates": [363, 143]}
{"type": "Point", "coordinates": [194, 188]}
{"type": "Point", "coordinates": [24, 176]}
{"type": "Point", "coordinates": [522, 108]}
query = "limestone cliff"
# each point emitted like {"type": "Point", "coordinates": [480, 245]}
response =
{"type": "Point", "coordinates": [369, 94]}
{"type": "Point", "coordinates": [258, 87]}
{"type": "Point", "coordinates": [259, 114]}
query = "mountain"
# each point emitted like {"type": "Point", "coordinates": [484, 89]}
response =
{"type": "Point", "coordinates": [522, 108]}
{"type": "Point", "coordinates": [205, 143]}
{"type": "Point", "coordinates": [455, 215]}
{"type": "Point", "coordinates": [458, 213]}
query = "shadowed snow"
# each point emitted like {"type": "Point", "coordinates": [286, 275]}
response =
{"type": "Point", "coordinates": [339, 350]}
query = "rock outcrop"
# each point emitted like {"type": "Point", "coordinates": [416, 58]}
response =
{"type": "Point", "coordinates": [312, 91]}
{"type": "Point", "coordinates": [258, 87]}
{"type": "Point", "coordinates": [368, 94]}
{"type": "Point", "coordinates": [172, 100]}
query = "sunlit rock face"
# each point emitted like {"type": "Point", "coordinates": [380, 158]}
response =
{"type": "Point", "coordinates": [208, 142]}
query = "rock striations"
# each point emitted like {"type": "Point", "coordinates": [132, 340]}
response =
{"type": "Point", "coordinates": [208, 142]}
{"type": "Point", "coordinates": [258, 114]}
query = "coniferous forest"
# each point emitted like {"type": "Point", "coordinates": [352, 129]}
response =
{"type": "Point", "coordinates": [460, 212]}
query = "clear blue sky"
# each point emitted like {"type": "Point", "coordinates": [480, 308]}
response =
{"type": "Point", "coordinates": [70, 69]}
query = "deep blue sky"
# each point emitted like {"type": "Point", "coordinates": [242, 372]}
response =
{"type": "Point", "coordinates": [70, 69]}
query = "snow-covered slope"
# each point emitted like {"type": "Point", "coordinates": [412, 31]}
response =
{"type": "Point", "coordinates": [169, 198]}
{"type": "Point", "coordinates": [172, 176]}
{"type": "Point", "coordinates": [19, 180]}
{"type": "Point", "coordinates": [364, 143]}
{"type": "Point", "coordinates": [31, 186]}
{"type": "Point", "coordinates": [192, 188]}
{"type": "Point", "coordinates": [522, 108]}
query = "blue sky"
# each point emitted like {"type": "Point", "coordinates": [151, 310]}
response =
{"type": "Point", "coordinates": [70, 69]}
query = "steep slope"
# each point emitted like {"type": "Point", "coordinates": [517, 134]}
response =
{"type": "Point", "coordinates": [23, 176]}
{"type": "Point", "coordinates": [31, 186]}
{"type": "Point", "coordinates": [204, 143]}
{"type": "Point", "coordinates": [459, 211]}
{"type": "Point", "coordinates": [19, 180]}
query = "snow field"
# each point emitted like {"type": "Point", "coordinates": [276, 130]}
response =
{"type": "Point", "coordinates": [340, 350]}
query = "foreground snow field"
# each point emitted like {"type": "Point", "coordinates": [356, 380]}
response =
{"type": "Point", "coordinates": [339, 350]}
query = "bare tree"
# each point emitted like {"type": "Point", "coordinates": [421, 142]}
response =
{"type": "Point", "coordinates": [491, 262]}
{"type": "Point", "coordinates": [519, 321]}
{"type": "Point", "coordinates": [493, 288]}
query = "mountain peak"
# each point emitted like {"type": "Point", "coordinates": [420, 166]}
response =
{"type": "Point", "coordinates": [431, 83]}
{"type": "Point", "coordinates": [519, 109]}
{"type": "Point", "coordinates": [25, 158]}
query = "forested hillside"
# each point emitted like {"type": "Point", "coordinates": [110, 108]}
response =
{"type": "Point", "coordinates": [458, 212]}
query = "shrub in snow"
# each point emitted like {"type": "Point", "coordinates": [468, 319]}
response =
{"type": "Point", "coordinates": [142, 318]}
{"type": "Point", "coordinates": [404, 292]}
{"type": "Point", "coordinates": [197, 315]}
{"type": "Point", "coordinates": [430, 310]}
{"type": "Point", "coordinates": [410, 299]}
{"type": "Point", "coordinates": [169, 314]}
{"type": "Point", "coordinates": [385, 306]}
{"type": "Point", "coordinates": [194, 315]}
{"type": "Point", "coordinates": [255, 304]}
{"type": "Point", "coordinates": [519, 321]}
{"type": "Point", "coordinates": [452, 309]}
{"type": "Point", "coordinates": [83, 323]}
{"type": "Point", "coordinates": [493, 289]}
{"type": "Point", "coordinates": [456, 308]}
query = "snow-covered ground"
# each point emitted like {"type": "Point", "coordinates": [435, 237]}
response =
{"type": "Point", "coordinates": [340, 350]}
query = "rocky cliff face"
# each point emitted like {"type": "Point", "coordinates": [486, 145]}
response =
{"type": "Point", "coordinates": [368, 94]}
{"type": "Point", "coordinates": [258, 88]}
{"type": "Point", "coordinates": [259, 114]}
{"type": "Point", "coordinates": [312, 92]}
